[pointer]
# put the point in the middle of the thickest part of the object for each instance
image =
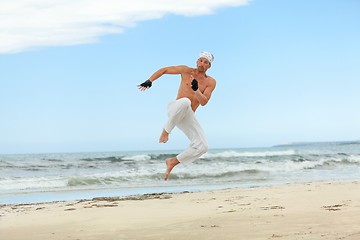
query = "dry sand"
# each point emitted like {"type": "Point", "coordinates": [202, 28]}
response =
{"type": "Point", "coordinates": [324, 210]}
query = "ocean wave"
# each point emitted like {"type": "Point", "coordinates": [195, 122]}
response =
{"type": "Point", "coordinates": [103, 159]}
{"type": "Point", "coordinates": [93, 180]}
{"type": "Point", "coordinates": [32, 183]}
{"type": "Point", "coordinates": [138, 157]}
{"type": "Point", "coordinates": [116, 159]}
{"type": "Point", "coordinates": [162, 156]}
{"type": "Point", "coordinates": [141, 157]}
{"type": "Point", "coordinates": [354, 159]}
{"type": "Point", "coordinates": [343, 161]}
{"type": "Point", "coordinates": [219, 175]}
{"type": "Point", "coordinates": [231, 154]}
{"type": "Point", "coordinates": [52, 160]}
{"type": "Point", "coordinates": [140, 169]}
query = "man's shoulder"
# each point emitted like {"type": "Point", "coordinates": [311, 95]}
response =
{"type": "Point", "coordinates": [210, 78]}
{"type": "Point", "coordinates": [211, 82]}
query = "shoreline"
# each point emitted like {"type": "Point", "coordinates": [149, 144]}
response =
{"type": "Point", "coordinates": [88, 194]}
{"type": "Point", "coordinates": [312, 210]}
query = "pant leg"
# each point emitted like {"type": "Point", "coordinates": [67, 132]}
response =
{"type": "Point", "coordinates": [177, 110]}
{"type": "Point", "coordinates": [181, 115]}
{"type": "Point", "coordinates": [198, 143]}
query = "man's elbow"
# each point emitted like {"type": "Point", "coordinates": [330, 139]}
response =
{"type": "Point", "coordinates": [203, 103]}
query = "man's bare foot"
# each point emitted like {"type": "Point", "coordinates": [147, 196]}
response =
{"type": "Point", "coordinates": [170, 164]}
{"type": "Point", "coordinates": [164, 137]}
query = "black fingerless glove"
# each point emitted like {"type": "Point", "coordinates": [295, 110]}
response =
{"type": "Point", "coordinates": [146, 84]}
{"type": "Point", "coordinates": [194, 84]}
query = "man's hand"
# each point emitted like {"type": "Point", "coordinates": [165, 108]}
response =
{"type": "Point", "coordinates": [145, 85]}
{"type": "Point", "coordinates": [194, 84]}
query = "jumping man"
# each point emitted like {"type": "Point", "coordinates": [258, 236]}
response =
{"type": "Point", "coordinates": [195, 89]}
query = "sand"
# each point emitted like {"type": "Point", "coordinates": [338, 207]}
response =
{"type": "Point", "coordinates": [320, 210]}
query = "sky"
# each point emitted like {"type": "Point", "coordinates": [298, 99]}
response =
{"type": "Point", "coordinates": [286, 71]}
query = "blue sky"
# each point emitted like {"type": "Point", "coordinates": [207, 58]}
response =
{"type": "Point", "coordinates": [286, 71]}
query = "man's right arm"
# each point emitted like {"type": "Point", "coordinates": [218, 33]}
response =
{"type": "Point", "coordinates": [166, 70]}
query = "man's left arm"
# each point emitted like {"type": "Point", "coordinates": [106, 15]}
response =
{"type": "Point", "coordinates": [204, 97]}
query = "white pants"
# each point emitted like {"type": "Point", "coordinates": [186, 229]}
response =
{"type": "Point", "coordinates": [182, 116]}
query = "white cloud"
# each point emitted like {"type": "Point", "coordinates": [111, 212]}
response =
{"type": "Point", "coordinates": [27, 24]}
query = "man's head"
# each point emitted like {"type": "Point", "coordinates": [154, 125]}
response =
{"type": "Point", "coordinates": [208, 56]}
{"type": "Point", "coordinates": [204, 61]}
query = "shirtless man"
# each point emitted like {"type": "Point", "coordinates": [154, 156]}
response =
{"type": "Point", "coordinates": [195, 89]}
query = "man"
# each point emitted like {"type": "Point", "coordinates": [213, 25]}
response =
{"type": "Point", "coordinates": [195, 89]}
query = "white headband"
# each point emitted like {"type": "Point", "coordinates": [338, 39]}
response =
{"type": "Point", "coordinates": [208, 56]}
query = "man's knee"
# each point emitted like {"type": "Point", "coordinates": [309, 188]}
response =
{"type": "Point", "coordinates": [179, 107]}
{"type": "Point", "coordinates": [184, 103]}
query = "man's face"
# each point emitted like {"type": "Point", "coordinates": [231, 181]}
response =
{"type": "Point", "coordinates": [203, 64]}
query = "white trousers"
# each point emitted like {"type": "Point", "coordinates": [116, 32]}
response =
{"type": "Point", "coordinates": [182, 116]}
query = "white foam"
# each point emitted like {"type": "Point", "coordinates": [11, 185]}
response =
{"type": "Point", "coordinates": [34, 183]}
{"type": "Point", "coordinates": [142, 157]}
{"type": "Point", "coordinates": [229, 154]}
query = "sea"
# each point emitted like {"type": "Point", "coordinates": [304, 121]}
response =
{"type": "Point", "coordinates": [33, 178]}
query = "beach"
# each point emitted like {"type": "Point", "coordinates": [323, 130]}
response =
{"type": "Point", "coordinates": [313, 210]}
